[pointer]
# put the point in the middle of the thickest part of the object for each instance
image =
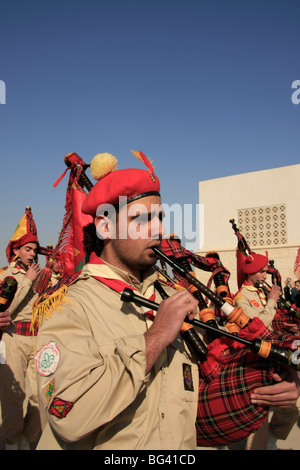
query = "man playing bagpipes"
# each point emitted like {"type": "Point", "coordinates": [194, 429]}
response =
{"type": "Point", "coordinates": [253, 269]}
{"type": "Point", "coordinates": [253, 300]}
{"type": "Point", "coordinates": [113, 375]}
{"type": "Point", "coordinates": [87, 332]}
{"type": "Point", "coordinates": [19, 427]}
{"type": "Point", "coordinates": [228, 410]}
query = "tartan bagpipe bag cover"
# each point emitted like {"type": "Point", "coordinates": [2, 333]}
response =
{"type": "Point", "coordinates": [230, 373]}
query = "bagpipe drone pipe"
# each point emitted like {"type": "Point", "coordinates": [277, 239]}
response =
{"type": "Point", "coordinates": [172, 247]}
{"type": "Point", "coordinates": [287, 317]}
{"type": "Point", "coordinates": [234, 364]}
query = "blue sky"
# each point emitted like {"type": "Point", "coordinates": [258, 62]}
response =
{"type": "Point", "coordinates": [203, 88]}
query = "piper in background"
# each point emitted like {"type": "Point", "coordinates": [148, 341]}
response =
{"type": "Point", "coordinates": [20, 427]}
{"type": "Point", "coordinates": [254, 302]}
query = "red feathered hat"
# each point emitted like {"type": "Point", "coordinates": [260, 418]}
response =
{"type": "Point", "coordinates": [25, 233]}
{"type": "Point", "coordinates": [112, 183]}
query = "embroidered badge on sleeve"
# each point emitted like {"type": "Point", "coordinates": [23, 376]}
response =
{"type": "Point", "coordinates": [47, 359]}
{"type": "Point", "coordinates": [48, 391]}
{"type": "Point", "coordinates": [60, 408]}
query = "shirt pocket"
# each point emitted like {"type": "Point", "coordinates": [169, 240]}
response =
{"type": "Point", "coordinates": [184, 376]}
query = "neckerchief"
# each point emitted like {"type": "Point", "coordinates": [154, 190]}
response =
{"type": "Point", "coordinates": [255, 289]}
{"type": "Point", "coordinates": [99, 270]}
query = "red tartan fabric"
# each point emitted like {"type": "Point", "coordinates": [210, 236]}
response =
{"type": "Point", "coordinates": [172, 248]}
{"type": "Point", "coordinates": [225, 414]}
{"type": "Point", "coordinates": [281, 321]}
{"type": "Point", "coordinates": [23, 328]}
{"type": "Point", "coordinates": [228, 376]}
{"type": "Point", "coordinates": [43, 280]}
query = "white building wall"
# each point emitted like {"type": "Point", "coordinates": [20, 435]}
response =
{"type": "Point", "coordinates": [222, 198]}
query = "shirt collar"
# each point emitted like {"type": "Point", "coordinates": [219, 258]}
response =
{"type": "Point", "coordinates": [101, 269]}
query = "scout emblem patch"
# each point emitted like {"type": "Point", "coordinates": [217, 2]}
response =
{"type": "Point", "coordinates": [60, 408]}
{"type": "Point", "coordinates": [187, 377]}
{"type": "Point", "coordinates": [47, 359]}
{"type": "Point", "coordinates": [255, 303]}
{"type": "Point", "coordinates": [48, 391]}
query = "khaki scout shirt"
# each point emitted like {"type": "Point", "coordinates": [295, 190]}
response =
{"type": "Point", "coordinates": [256, 305]}
{"type": "Point", "coordinates": [96, 394]}
{"type": "Point", "coordinates": [21, 306]}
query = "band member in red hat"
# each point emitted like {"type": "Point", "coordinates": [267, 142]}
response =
{"type": "Point", "coordinates": [252, 300]}
{"type": "Point", "coordinates": [254, 303]}
{"type": "Point", "coordinates": [113, 375]}
{"type": "Point", "coordinates": [120, 377]}
{"type": "Point", "coordinates": [19, 427]}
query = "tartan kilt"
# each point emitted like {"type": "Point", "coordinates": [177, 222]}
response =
{"type": "Point", "coordinates": [229, 374]}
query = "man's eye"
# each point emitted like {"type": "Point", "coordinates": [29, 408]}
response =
{"type": "Point", "coordinates": [142, 218]}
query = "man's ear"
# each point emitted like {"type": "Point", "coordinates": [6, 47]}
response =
{"type": "Point", "coordinates": [105, 228]}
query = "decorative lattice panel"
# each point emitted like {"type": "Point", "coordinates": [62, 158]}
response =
{"type": "Point", "coordinates": [263, 226]}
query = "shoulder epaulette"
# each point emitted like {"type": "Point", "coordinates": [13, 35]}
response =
{"type": "Point", "coordinates": [3, 269]}
{"type": "Point", "coordinates": [236, 297]}
{"type": "Point", "coordinates": [52, 299]}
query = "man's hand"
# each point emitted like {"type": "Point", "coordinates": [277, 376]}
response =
{"type": "Point", "coordinates": [274, 293]}
{"type": "Point", "coordinates": [291, 327]}
{"type": "Point", "coordinates": [5, 320]}
{"type": "Point", "coordinates": [167, 324]}
{"type": "Point", "coordinates": [33, 271]}
{"type": "Point", "coordinates": [284, 393]}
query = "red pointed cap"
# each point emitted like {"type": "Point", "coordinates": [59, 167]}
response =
{"type": "Point", "coordinates": [25, 232]}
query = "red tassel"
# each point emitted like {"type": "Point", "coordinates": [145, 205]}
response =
{"type": "Point", "coordinates": [60, 178]}
{"type": "Point", "coordinates": [43, 280]}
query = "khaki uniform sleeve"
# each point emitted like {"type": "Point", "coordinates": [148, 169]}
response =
{"type": "Point", "coordinates": [24, 287]}
{"type": "Point", "coordinates": [252, 307]}
{"type": "Point", "coordinates": [80, 390]}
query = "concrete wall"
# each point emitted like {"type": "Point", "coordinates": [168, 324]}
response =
{"type": "Point", "coordinates": [225, 198]}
